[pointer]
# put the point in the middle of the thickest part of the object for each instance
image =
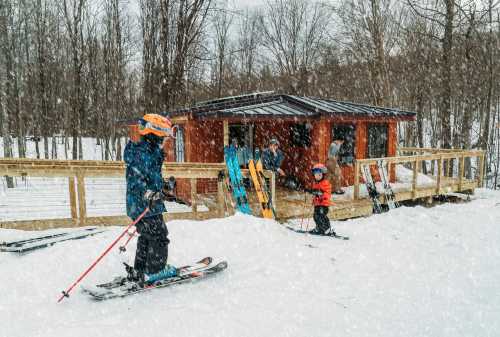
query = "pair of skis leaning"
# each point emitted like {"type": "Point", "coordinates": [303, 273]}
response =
{"type": "Point", "coordinates": [236, 180]}
{"type": "Point", "coordinates": [261, 188]}
{"type": "Point", "coordinates": [374, 195]}
{"type": "Point", "coordinates": [122, 287]}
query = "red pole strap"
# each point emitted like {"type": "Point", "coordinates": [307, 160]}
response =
{"type": "Point", "coordinates": [66, 293]}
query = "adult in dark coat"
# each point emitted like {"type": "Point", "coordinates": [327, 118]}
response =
{"type": "Point", "coordinates": [272, 157]}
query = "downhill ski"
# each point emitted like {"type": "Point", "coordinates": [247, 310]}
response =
{"type": "Point", "coordinates": [390, 198]}
{"type": "Point", "coordinates": [262, 195]}
{"type": "Point", "coordinates": [121, 280]}
{"type": "Point", "coordinates": [28, 245]}
{"type": "Point", "coordinates": [302, 231]}
{"type": "Point", "coordinates": [131, 288]}
{"type": "Point", "coordinates": [372, 189]}
{"type": "Point", "coordinates": [236, 180]}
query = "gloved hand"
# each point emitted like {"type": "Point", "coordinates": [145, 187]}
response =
{"type": "Point", "coordinates": [169, 186]}
{"type": "Point", "coordinates": [152, 196]}
{"type": "Point", "coordinates": [317, 193]}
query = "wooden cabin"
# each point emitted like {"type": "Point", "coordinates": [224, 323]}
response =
{"type": "Point", "coordinates": [304, 126]}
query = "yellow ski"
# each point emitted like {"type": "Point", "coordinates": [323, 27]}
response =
{"type": "Point", "coordinates": [262, 196]}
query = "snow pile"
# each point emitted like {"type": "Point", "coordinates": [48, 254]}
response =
{"type": "Point", "coordinates": [405, 176]}
{"type": "Point", "coordinates": [409, 272]}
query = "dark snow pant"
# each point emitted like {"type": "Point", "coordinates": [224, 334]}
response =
{"type": "Point", "coordinates": [320, 218]}
{"type": "Point", "coordinates": [152, 245]}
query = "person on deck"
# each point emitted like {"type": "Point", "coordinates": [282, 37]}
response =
{"type": "Point", "coordinates": [272, 157]}
{"type": "Point", "coordinates": [322, 192]}
{"type": "Point", "coordinates": [332, 164]}
{"type": "Point", "coordinates": [146, 188]}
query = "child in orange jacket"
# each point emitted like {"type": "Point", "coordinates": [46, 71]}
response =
{"type": "Point", "coordinates": [322, 191]}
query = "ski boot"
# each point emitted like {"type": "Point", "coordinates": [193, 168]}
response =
{"type": "Point", "coordinates": [167, 272]}
{"type": "Point", "coordinates": [133, 275]}
{"type": "Point", "coordinates": [330, 231]}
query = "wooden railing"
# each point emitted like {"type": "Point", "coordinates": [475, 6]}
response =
{"type": "Point", "coordinates": [442, 159]}
{"type": "Point", "coordinates": [78, 170]}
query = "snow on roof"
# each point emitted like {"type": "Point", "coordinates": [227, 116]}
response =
{"type": "Point", "coordinates": [270, 104]}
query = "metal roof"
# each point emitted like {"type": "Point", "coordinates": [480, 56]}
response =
{"type": "Point", "coordinates": [269, 104]}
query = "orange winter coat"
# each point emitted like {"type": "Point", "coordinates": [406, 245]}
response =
{"type": "Point", "coordinates": [325, 187]}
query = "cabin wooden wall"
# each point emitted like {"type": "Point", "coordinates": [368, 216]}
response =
{"type": "Point", "coordinates": [204, 141]}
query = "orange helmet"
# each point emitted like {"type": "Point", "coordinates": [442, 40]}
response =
{"type": "Point", "coordinates": [155, 124]}
{"type": "Point", "coordinates": [319, 168]}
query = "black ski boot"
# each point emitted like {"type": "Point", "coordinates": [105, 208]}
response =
{"type": "Point", "coordinates": [134, 275]}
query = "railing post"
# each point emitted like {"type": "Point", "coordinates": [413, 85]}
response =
{"type": "Point", "coordinates": [194, 207]}
{"type": "Point", "coordinates": [82, 203]}
{"type": "Point", "coordinates": [440, 171]}
{"type": "Point", "coordinates": [461, 166]}
{"type": "Point", "coordinates": [72, 200]}
{"type": "Point", "coordinates": [481, 170]}
{"type": "Point", "coordinates": [220, 197]}
{"type": "Point", "coordinates": [356, 180]}
{"type": "Point", "coordinates": [414, 179]}
{"type": "Point", "coordinates": [273, 191]}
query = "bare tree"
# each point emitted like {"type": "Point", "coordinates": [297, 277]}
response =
{"type": "Point", "coordinates": [293, 32]}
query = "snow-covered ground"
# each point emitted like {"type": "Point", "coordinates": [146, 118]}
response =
{"type": "Point", "coordinates": [410, 272]}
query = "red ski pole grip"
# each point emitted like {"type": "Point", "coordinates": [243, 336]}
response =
{"type": "Point", "coordinates": [66, 293]}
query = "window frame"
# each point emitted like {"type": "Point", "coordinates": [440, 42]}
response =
{"type": "Point", "coordinates": [179, 145]}
{"type": "Point", "coordinates": [342, 152]}
{"type": "Point", "coordinates": [369, 136]}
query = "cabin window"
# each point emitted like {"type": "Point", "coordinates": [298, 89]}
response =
{"type": "Point", "coordinates": [347, 133]}
{"type": "Point", "coordinates": [377, 140]}
{"type": "Point", "coordinates": [179, 144]}
{"type": "Point", "coordinates": [301, 135]}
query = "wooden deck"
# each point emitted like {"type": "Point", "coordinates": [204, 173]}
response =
{"type": "Point", "coordinates": [448, 176]}
{"type": "Point", "coordinates": [293, 204]}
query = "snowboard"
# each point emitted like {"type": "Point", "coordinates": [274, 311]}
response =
{"type": "Point", "coordinates": [236, 180]}
{"type": "Point", "coordinates": [28, 245]}
{"type": "Point", "coordinates": [132, 288]}
{"type": "Point", "coordinates": [262, 195]}
{"type": "Point", "coordinates": [301, 231]}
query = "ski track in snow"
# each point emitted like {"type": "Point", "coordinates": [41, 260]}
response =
{"type": "Point", "coordinates": [410, 272]}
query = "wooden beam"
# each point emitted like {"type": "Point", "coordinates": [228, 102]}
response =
{"type": "Point", "coordinates": [194, 207]}
{"type": "Point", "coordinates": [220, 197]}
{"type": "Point", "coordinates": [73, 199]}
{"type": "Point", "coordinates": [461, 172]}
{"type": "Point", "coordinates": [356, 179]}
{"type": "Point", "coordinates": [414, 179]}
{"type": "Point", "coordinates": [439, 174]}
{"type": "Point", "coordinates": [225, 126]}
{"type": "Point", "coordinates": [273, 191]}
{"type": "Point", "coordinates": [82, 204]}
{"type": "Point", "coordinates": [481, 170]}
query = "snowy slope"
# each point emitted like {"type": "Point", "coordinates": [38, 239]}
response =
{"type": "Point", "coordinates": [411, 272]}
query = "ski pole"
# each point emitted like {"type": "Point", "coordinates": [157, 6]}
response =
{"type": "Point", "coordinates": [303, 210]}
{"type": "Point", "coordinates": [131, 235]}
{"type": "Point", "coordinates": [66, 293]}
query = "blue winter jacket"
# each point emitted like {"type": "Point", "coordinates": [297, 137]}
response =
{"type": "Point", "coordinates": [143, 161]}
{"type": "Point", "coordinates": [270, 161]}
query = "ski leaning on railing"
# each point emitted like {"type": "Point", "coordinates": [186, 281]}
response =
{"type": "Point", "coordinates": [372, 189]}
{"type": "Point", "coordinates": [390, 197]}
{"type": "Point", "coordinates": [236, 180]}
{"type": "Point", "coordinates": [259, 182]}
